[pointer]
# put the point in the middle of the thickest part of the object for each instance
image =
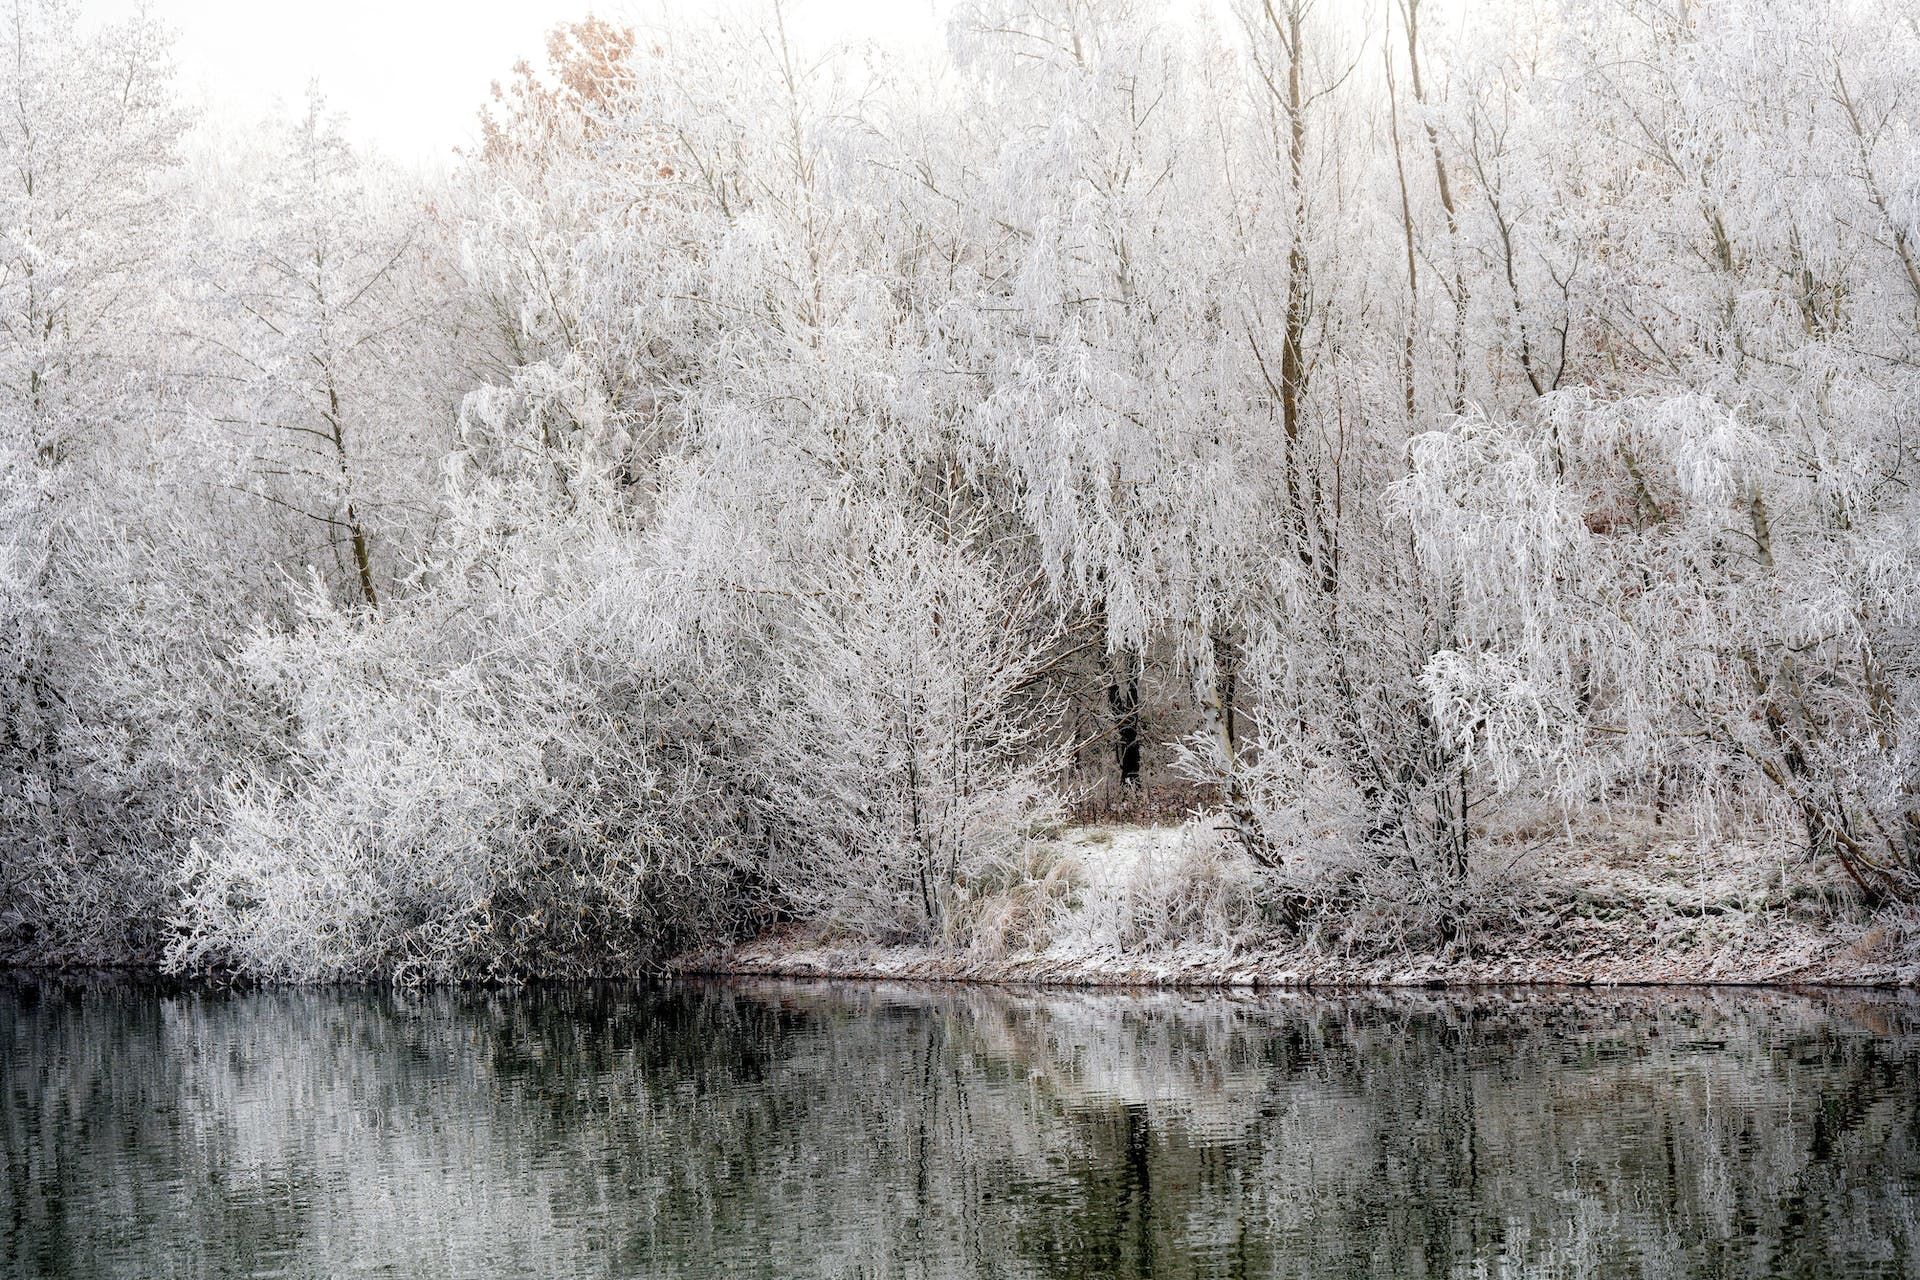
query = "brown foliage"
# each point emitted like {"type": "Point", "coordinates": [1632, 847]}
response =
{"type": "Point", "coordinates": [590, 65]}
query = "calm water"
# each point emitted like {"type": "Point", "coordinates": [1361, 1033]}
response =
{"type": "Point", "coordinates": [827, 1130]}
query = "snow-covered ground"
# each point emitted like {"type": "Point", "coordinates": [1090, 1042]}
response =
{"type": "Point", "coordinates": [1111, 856]}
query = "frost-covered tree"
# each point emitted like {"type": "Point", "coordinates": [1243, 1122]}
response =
{"type": "Point", "coordinates": [87, 138]}
{"type": "Point", "coordinates": [325, 335]}
{"type": "Point", "coordinates": [1692, 574]}
{"type": "Point", "coordinates": [768, 481]}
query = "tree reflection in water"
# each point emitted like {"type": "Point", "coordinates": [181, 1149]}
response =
{"type": "Point", "coordinates": [786, 1130]}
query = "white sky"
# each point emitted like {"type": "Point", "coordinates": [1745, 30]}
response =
{"type": "Point", "coordinates": [410, 75]}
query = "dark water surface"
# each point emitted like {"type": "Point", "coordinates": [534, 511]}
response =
{"type": "Point", "coordinates": [791, 1130]}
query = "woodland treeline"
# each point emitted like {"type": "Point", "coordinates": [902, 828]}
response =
{"type": "Point", "coordinates": [763, 481]}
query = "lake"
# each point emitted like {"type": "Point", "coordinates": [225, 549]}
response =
{"type": "Point", "coordinates": [827, 1130]}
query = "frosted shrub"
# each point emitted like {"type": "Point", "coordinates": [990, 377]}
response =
{"type": "Point", "coordinates": [118, 707]}
{"type": "Point", "coordinates": [464, 795]}
{"type": "Point", "coordinates": [504, 773]}
{"type": "Point", "coordinates": [901, 739]}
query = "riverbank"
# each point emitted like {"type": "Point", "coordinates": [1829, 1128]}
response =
{"type": "Point", "coordinates": [1617, 911]}
{"type": "Point", "coordinates": [1836, 961]}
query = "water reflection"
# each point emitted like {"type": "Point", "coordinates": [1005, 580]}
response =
{"type": "Point", "coordinates": [817, 1130]}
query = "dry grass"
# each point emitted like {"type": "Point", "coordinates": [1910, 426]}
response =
{"type": "Point", "coordinates": [1157, 803]}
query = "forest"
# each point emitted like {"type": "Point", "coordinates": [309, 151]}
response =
{"type": "Point", "coordinates": [1433, 458]}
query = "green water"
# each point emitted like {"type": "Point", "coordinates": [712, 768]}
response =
{"type": "Point", "coordinates": [792, 1130]}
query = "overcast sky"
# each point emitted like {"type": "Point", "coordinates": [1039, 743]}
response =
{"type": "Point", "coordinates": [409, 74]}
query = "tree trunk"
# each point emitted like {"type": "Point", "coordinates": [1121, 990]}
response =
{"type": "Point", "coordinates": [356, 532]}
{"type": "Point", "coordinates": [1123, 699]}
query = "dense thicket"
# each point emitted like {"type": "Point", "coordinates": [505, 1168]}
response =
{"type": "Point", "coordinates": [768, 482]}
